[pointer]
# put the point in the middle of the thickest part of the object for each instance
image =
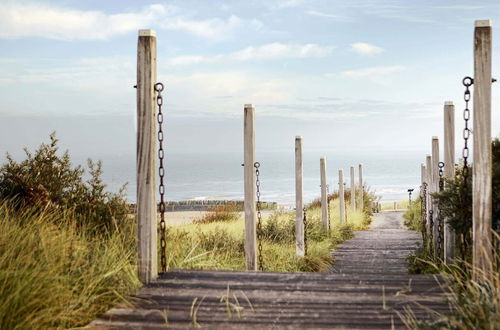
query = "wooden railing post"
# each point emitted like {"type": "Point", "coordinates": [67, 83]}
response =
{"type": "Point", "coordinates": [428, 205]}
{"type": "Point", "coordinates": [341, 196]}
{"type": "Point", "coordinates": [324, 193]}
{"type": "Point", "coordinates": [449, 173]}
{"type": "Point", "coordinates": [249, 186]}
{"type": "Point", "coordinates": [361, 205]}
{"type": "Point", "coordinates": [435, 188]}
{"type": "Point", "coordinates": [353, 190]}
{"type": "Point", "coordinates": [299, 203]}
{"type": "Point", "coordinates": [146, 157]}
{"type": "Point", "coordinates": [482, 169]}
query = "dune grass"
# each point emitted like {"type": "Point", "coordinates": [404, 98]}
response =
{"type": "Point", "coordinates": [220, 245]}
{"type": "Point", "coordinates": [400, 205]}
{"type": "Point", "coordinates": [54, 275]}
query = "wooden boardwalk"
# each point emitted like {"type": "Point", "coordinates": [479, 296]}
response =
{"type": "Point", "coordinates": [367, 288]}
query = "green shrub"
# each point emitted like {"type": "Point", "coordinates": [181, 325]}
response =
{"type": "Point", "coordinates": [49, 181]}
{"type": "Point", "coordinates": [220, 213]}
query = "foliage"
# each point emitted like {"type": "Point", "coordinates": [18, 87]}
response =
{"type": "Point", "coordinates": [220, 245]}
{"type": "Point", "coordinates": [413, 216]}
{"type": "Point", "coordinates": [220, 213]}
{"type": "Point", "coordinates": [54, 275]}
{"type": "Point", "coordinates": [48, 181]}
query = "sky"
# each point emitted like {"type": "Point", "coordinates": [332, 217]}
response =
{"type": "Point", "coordinates": [349, 76]}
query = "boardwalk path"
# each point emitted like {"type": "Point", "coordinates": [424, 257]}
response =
{"type": "Point", "coordinates": [368, 284]}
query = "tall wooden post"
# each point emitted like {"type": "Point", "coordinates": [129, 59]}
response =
{"type": "Point", "coordinates": [435, 188]}
{"type": "Point", "coordinates": [147, 224]}
{"type": "Point", "coordinates": [449, 173]}
{"type": "Point", "coordinates": [428, 178]}
{"type": "Point", "coordinates": [482, 169]}
{"type": "Point", "coordinates": [353, 190]}
{"type": "Point", "coordinates": [341, 196]}
{"type": "Point", "coordinates": [361, 187]}
{"type": "Point", "coordinates": [324, 193]}
{"type": "Point", "coordinates": [299, 203]}
{"type": "Point", "coordinates": [249, 186]}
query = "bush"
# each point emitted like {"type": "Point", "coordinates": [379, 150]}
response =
{"type": "Point", "coordinates": [220, 213]}
{"type": "Point", "coordinates": [49, 182]}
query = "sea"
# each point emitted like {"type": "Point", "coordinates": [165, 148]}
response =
{"type": "Point", "coordinates": [219, 175]}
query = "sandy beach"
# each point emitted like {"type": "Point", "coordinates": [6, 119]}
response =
{"type": "Point", "coordinates": [185, 217]}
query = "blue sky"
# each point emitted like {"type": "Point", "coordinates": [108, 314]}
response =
{"type": "Point", "coordinates": [347, 75]}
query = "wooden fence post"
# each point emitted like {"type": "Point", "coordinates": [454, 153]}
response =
{"type": "Point", "coordinates": [435, 188]}
{"type": "Point", "coordinates": [449, 173]}
{"type": "Point", "coordinates": [361, 187]}
{"type": "Point", "coordinates": [353, 190]}
{"type": "Point", "coordinates": [482, 169]}
{"type": "Point", "coordinates": [428, 178]}
{"type": "Point", "coordinates": [341, 196]}
{"type": "Point", "coordinates": [299, 203]}
{"type": "Point", "coordinates": [249, 183]}
{"type": "Point", "coordinates": [147, 223]}
{"type": "Point", "coordinates": [324, 193]}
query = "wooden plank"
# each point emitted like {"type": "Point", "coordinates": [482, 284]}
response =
{"type": "Point", "coordinates": [449, 173]}
{"type": "Point", "coordinates": [146, 157]}
{"type": "Point", "coordinates": [250, 188]}
{"type": "Point", "coordinates": [482, 258]}
{"type": "Point", "coordinates": [341, 197]}
{"type": "Point", "coordinates": [299, 203]}
{"type": "Point", "coordinates": [324, 194]}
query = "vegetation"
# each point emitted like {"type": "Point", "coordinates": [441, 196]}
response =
{"type": "Point", "coordinates": [475, 304]}
{"type": "Point", "coordinates": [54, 274]}
{"type": "Point", "coordinates": [220, 244]}
{"type": "Point", "coordinates": [48, 181]}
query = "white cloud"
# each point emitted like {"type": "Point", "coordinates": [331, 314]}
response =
{"type": "Point", "coordinates": [51, 22]}
{"type": "Point", "coordinates": [265, 52]}
{"type": "Point", "coordinates": [373, 71]}
{"type": "Point", "coordinates": [320, 14]}
{"type": "Point", "coordinates": [363, 48]}
{"type": "Point", "coordinates": [290, 3]}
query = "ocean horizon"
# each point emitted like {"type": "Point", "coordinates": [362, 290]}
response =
{"type": "Point", "coordinates": [219, 175]}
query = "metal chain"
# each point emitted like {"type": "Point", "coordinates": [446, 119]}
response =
{"type": "Point", "coordinates": [467, 82]}
{"type": "Point", "coordinates": [259, 216]}
{"type": "Point", "coordinates": [431, 226]}
{"type": "Point", "coordinates": [439, 219]}
{"type": "Point", "coordinates": [304, 220]}
{"type": "Point", "coordinates": [424, 210]}
{"type": "Point", "coordinates": [161, 171]}
{"type": "Point", "coordinates": [328, 204]}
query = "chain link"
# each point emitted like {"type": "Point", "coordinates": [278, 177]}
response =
{"type": "Point", "coordinates": [467, 82]}
{"type": "Point", "coordinates": [304, 220]}
{"type": "Point", "coordinates": [259, 216]}
{"type": "Point", "coordinates": [431, 226]}
{"type": "Point", "coordinates": [439, 219]}
{"type": "Point", "coordinates": [161, 171]}
{"type": "Point", "coordinates": [424, 210]}
{"type": "Point", "coordinates": [328, 204]}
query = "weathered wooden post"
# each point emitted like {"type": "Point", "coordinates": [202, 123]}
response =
{"type": "Point", "coordinates": [299, 203]}
{"type": "Point", "coordinates": [428, 178]}
{"type": "Point", "coordinates": [449, 173]}
{"type": "Point", "coordinates": [361, 205]}
{"type": "Point", "coordinates": [147, 223]}
{"type": "Point", "coordinates": [249, 186]}
{"type": "Point", "coordinates": [324, 193]}
{"type": "Point", "coordinates": [482, 169]}
{"type": "Point", "coordinates": [435, 188]}
{"type": "Point", "coordinates": [341, 196]}
{"type": "Point", "coordinates": [353, 190]}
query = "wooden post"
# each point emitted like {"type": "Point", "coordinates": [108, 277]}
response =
{"type": "Point", "coordinates": [482, 169]}
{"type": "Point", "coordinates": [341, 196]}
{"type": "Point", "coordinates": [428, 205]}
{"type": "Point", "coordinates": [147, 224]}
{"type": "Point", "coordinates": [353, 190]}
{"type": "Point", "coordinates": [249, 183]}
{"type": "Point", "coordinates": [299, 203]}
{"type": "Point", "coordinates": [449, 173]}
{"type": "Point", "coordinates": [435, 188]}
{"type": "Point", "coordinates": [361, 188]}
{"type": "Point", "coordinates": [324, 193]}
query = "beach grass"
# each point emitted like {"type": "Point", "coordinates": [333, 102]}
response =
{"type": "Point", "coordinates": [220, 244]}
{"type": "Point", "coordinates": [400, 205]}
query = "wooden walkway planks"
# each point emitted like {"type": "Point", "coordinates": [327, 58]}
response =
{"type": "Point", "coordinates": [357, 295]}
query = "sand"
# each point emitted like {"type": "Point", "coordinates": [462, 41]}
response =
{"type": "Point", "coordinates": [185, 217]}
